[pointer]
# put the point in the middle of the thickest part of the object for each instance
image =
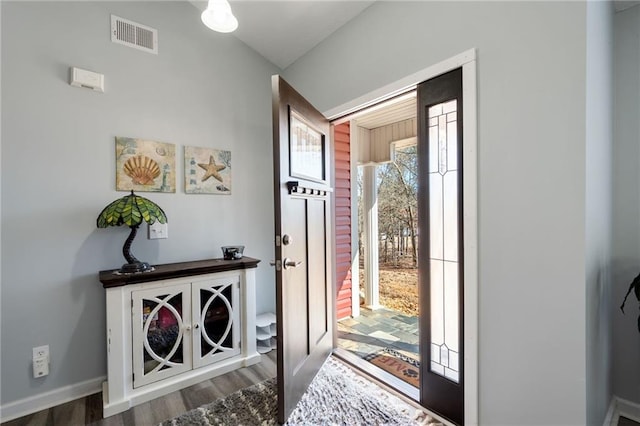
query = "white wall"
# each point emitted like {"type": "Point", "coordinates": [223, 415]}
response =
{"type": "Point", "coordinates": [58, 162]}
{"type": "Point", "coordinates": [598, 230]}
{"type": "Point", "coordinates": [532, 165]}
{"type": "Point", "coordinates": [626, 202]}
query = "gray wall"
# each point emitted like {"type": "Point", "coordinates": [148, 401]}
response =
{"type": "Point", "coordinates": [532, 165]}
{"type": "Point", "coordinates": [599, 142]}
{"type": "Point", "coordinates": [58, 162]}
{"type": "Point", "coordinates": [626, 202]}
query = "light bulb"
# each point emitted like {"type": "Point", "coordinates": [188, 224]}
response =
{"type": "Point", "coordinates": [218, 17]}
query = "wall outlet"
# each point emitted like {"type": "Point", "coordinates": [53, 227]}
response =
{"type": "Point", "coordinates": [40, 367]}
{"type": "Point", "coordinates": [41, 352]}
{"type": "Point", "coordinates": [40, 361]}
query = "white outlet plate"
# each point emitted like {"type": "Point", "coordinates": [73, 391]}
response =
{"type": "Point", "coordinates": [158, 231]}
{"type": "Point", "coordinates": [40, 367]}
{"type": "Point", "coordinates": [41, 352]}
{"type": "Point", "coordinates": [40, 361]}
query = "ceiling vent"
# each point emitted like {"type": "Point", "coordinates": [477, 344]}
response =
{"type": "Point", "coordinates": [134, 35]}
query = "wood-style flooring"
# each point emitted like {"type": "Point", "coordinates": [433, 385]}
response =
{"type": "Point", "coordinates": [88, 410]}
{"type": "Point", "coordinates": [623, 421]}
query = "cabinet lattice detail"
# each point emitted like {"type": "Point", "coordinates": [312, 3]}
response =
{"type": "Point", "coordinates": [166, 334]}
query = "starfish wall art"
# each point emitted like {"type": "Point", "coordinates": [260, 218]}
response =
{"type": "Point", "coordinates": [207, 171]}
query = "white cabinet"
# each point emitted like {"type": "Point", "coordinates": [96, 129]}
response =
{"type": "Point", "coordinates": [184, 326]}
{"type": "Point", "coordinates": [168, 333]}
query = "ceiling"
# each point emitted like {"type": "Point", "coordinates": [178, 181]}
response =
{"type": "Point", "coordinates": [392, 111]}
{"type": "Point", "coordinates": [283, 31]}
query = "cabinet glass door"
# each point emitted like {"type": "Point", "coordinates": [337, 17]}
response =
{"type": "Point", "coordinates": [216, 319]}
{"type": "Point", "coordinates": [159, 333]}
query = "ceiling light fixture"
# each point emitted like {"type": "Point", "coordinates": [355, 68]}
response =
{"type": "Point", "coordinates": [218, 16]}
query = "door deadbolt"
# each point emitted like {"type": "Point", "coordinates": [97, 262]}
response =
{"type": "Point", "coordinates": [286, 239]}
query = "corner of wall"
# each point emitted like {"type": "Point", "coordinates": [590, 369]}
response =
{"type": "Point", "coordinates": [598, 208]}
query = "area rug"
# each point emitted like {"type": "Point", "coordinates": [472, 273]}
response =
{"type": "Point", "coordinates": [400, 365]}
{"type": "Point", "coordinates": [337, 396]}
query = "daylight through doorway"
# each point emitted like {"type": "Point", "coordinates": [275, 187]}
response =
{"type": "Point", "coordinates": [383, 330]}
{"type": "Point", "coordinates": [460, 406]}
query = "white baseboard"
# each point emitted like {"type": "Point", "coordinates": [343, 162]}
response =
{"type": "Point", "coordinates": [613, 409]}
{"type": "Point", "coordinates": [621, 408]}
{"type": "Point", "coordinates": [628, 409]}
{"type": "Point", "coordinates": [35, 403]}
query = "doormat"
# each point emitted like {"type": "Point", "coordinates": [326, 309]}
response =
{"type": "Point", "coordinates": [403, 367]}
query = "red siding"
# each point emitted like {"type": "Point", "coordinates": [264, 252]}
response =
{"type": "Point", "coordinates": [343, 219]}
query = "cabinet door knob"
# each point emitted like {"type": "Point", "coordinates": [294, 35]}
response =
{"type": "Point", "coordinates": [188, 328]}
{"type": "Point", "coordinates": [196, 326]}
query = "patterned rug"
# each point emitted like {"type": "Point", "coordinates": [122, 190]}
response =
{"type": "Point", "coordinates": [337, 395]}
{"type": "Point", "coordinates": [401, 366]}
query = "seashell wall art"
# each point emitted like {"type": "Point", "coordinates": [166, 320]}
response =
{"type": "Point", "coordinates": [145, 166]}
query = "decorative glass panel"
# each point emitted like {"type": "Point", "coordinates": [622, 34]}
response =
{"type": "Point", "coordinates": [217, 320]}
{"type": "Point", "coordinates": [159, 331]}
{"type": "Point", "coordinates": [216, 308]}
{"type": "Point", "coordinates": [449, 214]}
{"type": "Point", "coordinates": [450, 106]}
{"type": "Point", "coordinates": [437, 368]}
{"type": "Point", "coordinates": [433, 148]}
{"type": "Point", "coordinates": [306, 149]}
{"type": "Point", "coordinates": [436, 219]}
{"type": "Point", "coordinates": [163, 332]}
{"type": "Point", "coordinates": [443, 234]}
{"type": "Point", "coordinates": [451, 313]}
{"type": "Point", "coordinates": [437, 307]}
{"type": "Point", "coordinates": [452, 145]}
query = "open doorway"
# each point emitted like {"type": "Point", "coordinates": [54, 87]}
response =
{"type": "Point", "coordinates": [378, 328]}
{"type": "Point", "coordinates": [446, 119]}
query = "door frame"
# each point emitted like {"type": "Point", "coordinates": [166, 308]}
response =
{"type": "Point", "coordinates": [467, 61]}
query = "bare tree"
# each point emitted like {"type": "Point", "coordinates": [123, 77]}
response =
{"type": "Point", "coordinates": [397, 202]}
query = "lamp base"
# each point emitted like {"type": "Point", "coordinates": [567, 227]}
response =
{"type": "Point", "coordinates": [135, 267]}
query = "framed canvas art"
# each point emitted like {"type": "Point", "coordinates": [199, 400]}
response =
{"type": "Point", "coordinates": [207, 171]}
{"type": "Point", "coordinates": [145, 166]}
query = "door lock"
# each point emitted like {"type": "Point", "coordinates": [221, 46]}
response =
{"type": "Point", "coordinates": [286, 239]}
{"type": "Point", "coordinates": [275, 263]}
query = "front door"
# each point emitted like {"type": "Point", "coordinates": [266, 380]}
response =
{"type": "Point", "coordinates": [303, 240]}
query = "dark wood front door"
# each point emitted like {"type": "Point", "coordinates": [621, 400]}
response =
{"type": "Point", "coordinates": [302, 191]}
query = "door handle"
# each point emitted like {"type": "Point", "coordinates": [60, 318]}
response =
{"type": "Point", "coordinates": [288, 263]}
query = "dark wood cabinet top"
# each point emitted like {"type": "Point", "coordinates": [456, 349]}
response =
{"type": "Point", "coordinates": [111, 278]}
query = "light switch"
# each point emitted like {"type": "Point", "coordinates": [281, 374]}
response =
{"type": "Point", "coordinates": [158, 231]}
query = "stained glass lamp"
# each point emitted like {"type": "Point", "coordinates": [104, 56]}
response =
{"type": "Point", "coordinates": [131, 210]}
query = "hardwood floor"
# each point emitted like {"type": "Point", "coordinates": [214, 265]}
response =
{"type": "Point", "coordinates": [88, 410]}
